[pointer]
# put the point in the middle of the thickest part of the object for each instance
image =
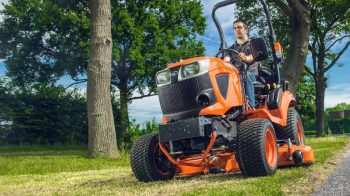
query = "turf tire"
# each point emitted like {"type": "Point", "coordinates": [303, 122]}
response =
{"type": "Point", "coordinates": [291, 130]}
{"type": "Point", "coordinates": [251, 152]}
{"type": "Point", "coordinates": [143, 160]}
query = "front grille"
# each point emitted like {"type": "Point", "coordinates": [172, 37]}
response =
{"type": "Point", "coordinates": [181, 96]}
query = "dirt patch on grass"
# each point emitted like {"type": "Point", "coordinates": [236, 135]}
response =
{"type": "Point", "coordinates": [61, 183]}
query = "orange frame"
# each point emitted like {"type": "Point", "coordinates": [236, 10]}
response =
{"type": "Point", "coordinates": [226, 162]}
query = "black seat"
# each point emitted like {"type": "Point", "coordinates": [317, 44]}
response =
{"type": "Point", "coordinates": [264, 77]}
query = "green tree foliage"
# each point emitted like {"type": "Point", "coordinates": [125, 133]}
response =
{"type": "Point", "coordinates": [147, 35]}
{"type": "Point", "coordinates": [305, 97]}
{"type": "Point", "coordinates": [330, 38]}
{"type": "Point", "coordinates": [43, 40]}
{"type": "Point", "coordinates": [339, 107]}
{"type": "Point", "coordinates": [137, 130]}
{"type": "Point", "coordinates": [252, 13]}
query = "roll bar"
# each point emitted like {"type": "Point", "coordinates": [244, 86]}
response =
{"type": "Point", "coordinates": [272, 36]}
{"type": "Point", "coordinates": [223, 44]}
{"type": "Point", "coordinates": [272, 39]}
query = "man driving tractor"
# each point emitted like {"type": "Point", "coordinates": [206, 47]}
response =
{"type": "Point", "coordinates": [242, 45]}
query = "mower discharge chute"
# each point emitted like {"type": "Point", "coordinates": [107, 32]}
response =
{"type": "Point", "coordinates": [208, 125]}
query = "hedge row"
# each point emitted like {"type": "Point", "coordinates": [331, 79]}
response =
{"type": "Point", "coordinates": [339, 126]}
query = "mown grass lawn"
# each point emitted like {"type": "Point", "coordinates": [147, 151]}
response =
{"type": "Point", "coordinates": [66, 171]}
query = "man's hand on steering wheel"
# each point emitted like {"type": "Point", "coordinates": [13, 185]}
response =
{"type": "Point", "coordinates": [245, 58]}
{"type": "Point", "coordinates": [228, 50]}
{"type": "Point", "coordinates": [239, 56]}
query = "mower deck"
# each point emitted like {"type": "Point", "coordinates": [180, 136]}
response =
{"type": "Point", "coordinates": [226, 162]}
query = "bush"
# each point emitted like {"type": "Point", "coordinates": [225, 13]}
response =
{"type": "Point", "coordinates": [339, 126]}
{"type": "Point", "coordinates": [309, 124]}
{"type": "Point", "coordinates": [310, 132]}
{"type": "Point", "coordinates": [336, 126]}
{"type": "Point", "coordinates": [346, 124]}
{"type": "Point", "coordinates": [42, 114]}
{"type": "Point", "coordinates": [136, 130]}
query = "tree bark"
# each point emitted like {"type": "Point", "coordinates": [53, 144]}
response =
{"type": "Point", "coordinates": [102, 135]}
{"type": "Point", "coordinates": [320, 82]}
{"type": "Point", "coordinates": [124, 113]}
{"type": "Point", "coordinates": [297, 52]}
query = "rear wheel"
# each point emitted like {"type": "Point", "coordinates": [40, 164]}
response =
{"type": "Point", "coordinates": [294, 129]}
{"type": "Point", "coordinates": [257, 148]}
{"type": "Point", "coordinates": [148, 162]}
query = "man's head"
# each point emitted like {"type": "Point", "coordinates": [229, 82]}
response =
{"type": "Point", "coordinates": [240, 29]}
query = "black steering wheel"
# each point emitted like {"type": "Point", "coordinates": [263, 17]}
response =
{"type": "Point", "coordinates": [234, 51]}
{"type": "Point", "coordinates": [226, 50]}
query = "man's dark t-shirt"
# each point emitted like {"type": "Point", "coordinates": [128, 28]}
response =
{"type": "Point", "coordinates": [244, 48]}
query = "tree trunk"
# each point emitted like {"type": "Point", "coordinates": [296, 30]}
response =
{"type": "Point", "coordinates": [124, 114]}
{"type": "Point", "coordinates": [297, 52]}
{"type": "Point", "coordinates": [102, 136]}
{"type": "Point", "coordinates": [320, 95]}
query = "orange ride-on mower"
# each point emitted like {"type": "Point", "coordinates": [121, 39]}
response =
{"type": "Point", "coordinates": [208, 125]}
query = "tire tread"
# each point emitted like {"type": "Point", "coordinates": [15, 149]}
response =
{"type": "Point", "coordinates": [142, 164]}
{"type": "Point", "coordinates": [251, 148]}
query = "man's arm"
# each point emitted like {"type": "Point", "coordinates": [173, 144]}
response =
{"type": "Point", "coordinates": [246, 58]}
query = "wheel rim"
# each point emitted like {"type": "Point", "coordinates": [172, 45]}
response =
{"type": "Point", "coordinates": [161, 161]}
{"type": "Point", "coordinates": [270, 148]}
{"type": "Point", "coordinates": [300, 132]}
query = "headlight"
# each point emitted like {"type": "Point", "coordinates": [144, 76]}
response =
{"type": "Point", "coordinates": [194, 69]}
{"type": "Point", "coordinates": [163, 77]}
{"type": "Point", "coordinates": [190, 70]}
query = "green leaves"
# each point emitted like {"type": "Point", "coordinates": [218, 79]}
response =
{"type": "Point", "coordinates": [148, 35]}
{"type": "Point", "coordinates": [305, 97]}
{"type": "Point", "coordinates": [43, 40]}
{"type": "Point", "coordinates": [339, 107]}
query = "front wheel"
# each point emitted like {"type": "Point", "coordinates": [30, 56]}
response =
{"type": "Point", "coordinates": [257, 148]}
{"type": "Point", "coordinates": [148, 162]}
